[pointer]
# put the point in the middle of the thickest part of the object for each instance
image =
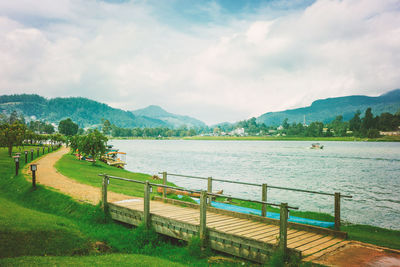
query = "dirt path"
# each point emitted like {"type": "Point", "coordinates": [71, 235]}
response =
{"type": "Point", "coordinates": [48, 175]}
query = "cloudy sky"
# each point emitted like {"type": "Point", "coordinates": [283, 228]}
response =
{"type": "Point", "coordinates": [222, 60]}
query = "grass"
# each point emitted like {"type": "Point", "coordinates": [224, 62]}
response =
{"type": "Point", "coordinates": [87, 173]}
{"type": "Point", "coordinates": [99, 260]}
{"type": "Point", "coordinates": [46, 222]}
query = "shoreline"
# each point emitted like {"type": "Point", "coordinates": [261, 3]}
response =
{"type": "Point", "coordinates": [266, 138]}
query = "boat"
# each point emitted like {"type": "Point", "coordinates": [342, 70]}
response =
{"type": "Point", "coordinates": [113, 157]}
{"type": "Point", "coordinates": [316, 146]}
{"type": "Point", "coordinates": [184, 193]}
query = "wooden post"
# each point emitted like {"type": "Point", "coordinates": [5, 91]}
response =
{"type": "Point", "coordinates": [283, 222]}
{"type": "Point", "coordinates": [104, 193]}
{"type": "Point", "coordinates": [209, 189]}
{"type": "Point", "coordinates": [337, 211]}
{"type": "Point", "coordinates": [203, 217]}
{"type": "Point", "coordinates": [146, 207]}
{"type": "Point", "coordinates": [264, 198]}
{"type": "Point", "coordinates": [164, 181]}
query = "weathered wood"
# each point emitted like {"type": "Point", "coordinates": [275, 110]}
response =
{"type": "Point", "coordinates": [146, 205]}
{"type": "Point", "coordinates": [203, 218]}
{"type": "Point", "coordinates": [337, 211]}
{"type": "Point", "coordinates": [209, 189]}
{"type": "Point", "coordinates": [264, 198]}
{"type": "Point", "coordinates": [164, 193]}
{"type": "Point", "coordinates": [315, 243]}
{"type": "Point", "coordinates": [104, 203]}
{"type": "Point", "coordinates": [334, 245]}
{"type": "Point", "coordinates": [298, 226]}
{"type": "Point", "coordinates": [283, 219]}
{"type": "Point", "coordinates": [305, 241]}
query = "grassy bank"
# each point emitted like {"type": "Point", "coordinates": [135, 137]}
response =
{"type": "Point", "coordinates": [44, 222]}
{"type": "Point", "coordinates": [89, 174]}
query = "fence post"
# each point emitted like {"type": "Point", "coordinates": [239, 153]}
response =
{"type": "Point", "coordinates": [146, 208]}
{"type": "Point", "coordinates": [337, 211]}
{"type": "Point", "coordinates": [104, 204]}
{"type": "Point", "coordinates": [283, 222]}
{"type": "Point", "coordinates": [209, 189]}
{"type": "Point", "coordinates": [164, 181]}
{"type": "Point", "coordinates": [264, 198]}
{"type": "Point", "coordinates": [203, 217]}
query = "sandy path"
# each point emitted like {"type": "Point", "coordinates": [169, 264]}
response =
{"type": "Point", "coordinates": [48, 175]}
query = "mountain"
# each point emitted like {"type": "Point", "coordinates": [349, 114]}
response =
{"type": "Point", "coordinates": [85, 112]}
{"type": "Point", "coordinates": [173, 120]}
{"type": "Point", "coordinates": [325, 110]}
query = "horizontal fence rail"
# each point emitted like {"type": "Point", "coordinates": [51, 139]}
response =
{"type": "Point", "coordinates": [259, 185]}
{"type": "Point", "coordinates": [337, 196]}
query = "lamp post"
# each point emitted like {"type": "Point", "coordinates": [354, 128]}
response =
{"type": "Point", "coordinates": [48, 149]}
{"type": "Point", "coordinates": [33, 169]}
{"type": "Point", "coordinates": [26, 156]}
{"type": "Point", "coordinates": [43, 150]}
{"type": "Point", "coordinates": [16, 159]}
{"type": "Point", "coordinates": [37, 149]}
{"type": "Point", "coordinates": [31, 153]}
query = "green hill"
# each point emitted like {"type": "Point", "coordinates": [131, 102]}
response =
{"type": "Point", "coordinates": [173, 120]}
{"type": "Point", "coordinates": [325, 110]}
{"type": "Point", "coordinates": [85, 112]}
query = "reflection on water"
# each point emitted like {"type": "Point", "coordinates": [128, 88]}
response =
{"type": "Point", "coordinates": [368, 171]}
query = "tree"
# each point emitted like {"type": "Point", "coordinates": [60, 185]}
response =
{"type": "Point", "coordinates": [12, 135]}
{"type": "Point", "coordinates": [106, 127]}
{"type": "Point", "coordinates": [68, 127]}
{"type": "Point", "coordinates": [355, 122]}
{"type": "Point", "coordinates": [93, 144]}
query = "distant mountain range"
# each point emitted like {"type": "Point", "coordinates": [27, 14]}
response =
{"type": "Point", "coordinates": [89, 113]}
{"type": "Point", "coordinates": [174, 120]}
{"type": "Point", "coordinates": [325, 110]}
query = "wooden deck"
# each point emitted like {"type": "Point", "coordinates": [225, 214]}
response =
{"type": "Point", "coordinates": [248, 236]}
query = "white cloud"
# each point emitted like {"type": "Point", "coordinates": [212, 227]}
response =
{"type": "Point", "coordinates": [128, 56]}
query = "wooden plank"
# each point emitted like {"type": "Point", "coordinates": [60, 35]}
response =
{"type": "Point", "coordinates": [300, 237]}
{"type": "Point", "coordinates": [322, 246]}
{"type": "Point", "coordinates": [265, 229]}
{"type": "Point", "coordinates": [240, 228]}
{"type": "Point", "coordinates": [223, 228]}
{"type": "Point", "coordinates": [224, 223]}
{"type": "Point", "coordinates": [249, 230]}
{"type": "Point", "coordinates": [305, 241]}
{"type": "Point", "coordinates": [296, 234]}
{"type": "Point", "coordinates": [315, 243]}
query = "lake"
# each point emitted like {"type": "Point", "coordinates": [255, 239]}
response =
{"type": "Point", "coordinates": [369, 171]}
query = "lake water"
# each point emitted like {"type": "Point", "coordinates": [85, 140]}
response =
{"type": "Point", "coordinates": [370, 172]}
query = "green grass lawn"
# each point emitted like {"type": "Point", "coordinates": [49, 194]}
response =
{"type": "Point", "coordinates": [87, 173]}
{"type": "Point", "coordinates": [28, 232]}
{"type": "Point", "coordinates": [99, 260]}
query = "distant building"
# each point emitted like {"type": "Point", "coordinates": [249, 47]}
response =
{"type": "Point", "coordinates": [393, 133]}
{"type": "Point", "coordinates": [280, 128]}
{"type": "Point", "coordinates": [238, 131]}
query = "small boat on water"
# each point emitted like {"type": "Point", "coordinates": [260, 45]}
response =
{"type": "Point", "coordinates": [316, 146]}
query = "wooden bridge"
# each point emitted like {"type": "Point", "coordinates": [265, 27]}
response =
{"type": "Point", "coordinates": [244, 235]}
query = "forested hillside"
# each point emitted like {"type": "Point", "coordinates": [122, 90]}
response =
{"type": "Point", "coordinates": [83, 111]}
{"type": "Point", "coordinates": [326, 110]}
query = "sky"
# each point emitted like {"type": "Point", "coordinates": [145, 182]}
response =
{"type": "Point", "coordinates": [217, 61]}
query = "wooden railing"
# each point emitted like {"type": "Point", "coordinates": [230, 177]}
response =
{"type": "Point", "coordinates": [264, 192]}
{"type": "Point", "coordinates": [204, 196]}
